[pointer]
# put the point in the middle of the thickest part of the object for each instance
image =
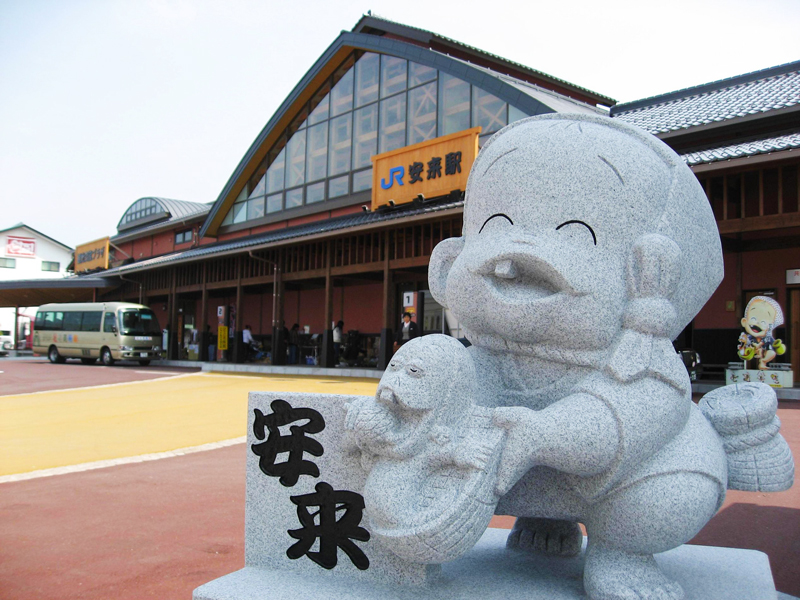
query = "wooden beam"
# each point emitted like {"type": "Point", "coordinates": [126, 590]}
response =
{"type": "Point", "coordinates": [759, 223]}
{"type": "Point", "coordinates": [388, 287]}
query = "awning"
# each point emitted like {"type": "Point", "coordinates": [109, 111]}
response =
{"type": "Point", "coordinates": [35, 292]}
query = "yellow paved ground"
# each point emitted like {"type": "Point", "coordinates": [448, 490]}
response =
{"type": "Point", "coordinates": [56, 429]}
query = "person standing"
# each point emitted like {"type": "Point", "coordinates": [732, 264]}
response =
{"type": "Point", "coordinates": [294, 343]}
{"type": "Point", "coordinates": [407, 332]}
{"type": "Point", "coordinates": [337, 340]}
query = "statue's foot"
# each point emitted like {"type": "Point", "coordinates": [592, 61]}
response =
{"type": "Point", "coordinates": [611, 574]}
{"type": "Point", "coordinates": [548, 536]}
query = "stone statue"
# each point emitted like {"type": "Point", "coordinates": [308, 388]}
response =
{"type": "Point", "coordinates": [587, 247]}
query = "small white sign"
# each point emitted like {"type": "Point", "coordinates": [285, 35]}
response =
{"type": "Point", "coordinates": [408, 299]}
{"type": "Point", "coordinates": [792, 276]}
{"type": "Point", "coordinates": [220, 311]}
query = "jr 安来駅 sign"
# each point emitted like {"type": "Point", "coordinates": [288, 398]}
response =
{"type": "Point", "coordinates": [433, 168]}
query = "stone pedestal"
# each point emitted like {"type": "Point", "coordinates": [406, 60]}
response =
{"type": "Point", "coordinates": [489, 570]}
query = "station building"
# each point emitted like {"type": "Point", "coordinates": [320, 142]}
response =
{"type": "Point", "coordinates": [335, 208]}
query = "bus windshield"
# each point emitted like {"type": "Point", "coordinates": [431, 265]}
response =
{"type": "Point", "coordinates": [138, 321]}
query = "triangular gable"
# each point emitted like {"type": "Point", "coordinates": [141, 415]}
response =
{"type": "Point", "coordinates": [326, 65]}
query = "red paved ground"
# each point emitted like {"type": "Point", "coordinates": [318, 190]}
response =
{"type": "Point", "coordinates": [37, 375]}
{"type": "Point", "coordinates": [159, 529]}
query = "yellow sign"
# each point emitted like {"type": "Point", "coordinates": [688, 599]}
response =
{"type": "Point", "coordinates": [433, 168]}
{"type": "Point", "coordinates": [93, 255]}
{"type": "Point", "coordinates": [222, 337]}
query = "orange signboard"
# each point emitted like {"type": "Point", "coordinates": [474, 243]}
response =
{"type": "Point", "coordinates": [433, 168]}
{"type": "Point", "coordinates": [92, 255]}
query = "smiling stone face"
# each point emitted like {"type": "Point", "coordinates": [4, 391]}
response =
{"type": "Point", "coordinates": [554, 206]}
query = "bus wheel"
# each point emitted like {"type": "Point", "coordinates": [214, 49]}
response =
{"type": "Point", "coordinates": [88, 361]}
{"type": "Point", "coordinates": [54, 357]}
{"type": "Point", "coordinates": [144, 363]}
{"type": "Point", "coordinates": [105, 356]}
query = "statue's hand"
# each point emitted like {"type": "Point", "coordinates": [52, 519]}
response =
{"type": "Point", "coordinates": [520, 445]}
{"type": "Point", "coordinates": [474, 456]}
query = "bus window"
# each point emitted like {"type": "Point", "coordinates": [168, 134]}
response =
{"type": "Point", "coordinates": [139, 322]}
{"type": "Point", "coordinates": [72, 321]}
{"type": "Point", "coordinates": [39, 323]}
{"type": "Point", "coordinates": [53, 321]}
{"type": "Point", "coordinates": [110, 323]}
{"type": "Point", "coordinates": [91, 321]}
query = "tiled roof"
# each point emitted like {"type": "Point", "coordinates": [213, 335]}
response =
{"type": "Point", "coordinates": [750, 94]}
{"type": "Point", "coordinates": [279, 235]}
{"type": "Point", "coordinates": [179, 210]}
{"type": "Point", "coordinates": [752, 148]}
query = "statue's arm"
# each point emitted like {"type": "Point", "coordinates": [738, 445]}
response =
{"type": "Point", "coordinates": [578, 434]}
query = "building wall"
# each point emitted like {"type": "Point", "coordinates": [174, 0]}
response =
{"type": "Point", "coordinates": [29, 268]}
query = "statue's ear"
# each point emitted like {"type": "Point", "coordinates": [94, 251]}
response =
{"type": "Point", "coordinates": [442, 259]}
{"type": "Point", "coordinates": [654, 267]}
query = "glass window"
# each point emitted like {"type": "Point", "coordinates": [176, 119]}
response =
{"type": "Point", "coordinates": [258, 182]}
{"type": "Point", "coordinates": [8, 263]}
{"type": "Point", "coordinates": [418, 73]}
{"type": "Point", "coordinates": [296, 159]}
{"type": "Point", "coordinates": [183, 236]}
{"type": "Point", "coordinates": [72, 321]}
{"type": "Point", "coordinates": [488, 111]}
{"type": "Point", "coordinates": [515, 114]}
{"type": "Point", "coordinates": [362, 181]}
{"type": "Point", "coordinates": [275, 172]}
{"type": "Point", "coordinates": [454, 102]}
{"type": "Point", "coordinates": [139, 321]}
{"type": "Point", "coordinates": [110, 322]}
{"type": "Point", "coordinates": [317, 148]}
{"type": "Point", "coordinates": [342, 94]}
{"type": "Point", "coordinates": [228, 220]}
{"type": "Point", "coordinates": [315, 192]}
{"type": "Point", "coordinates": [50, 266]}
{"type": "Point", "coordinates": [320, 104]}
{"type": "Point", "coordinates": [365, 138]}
{"type": "Point", "coordinates": [393, 123]}
{"type": "Point", "coordinates": [393, 75]}
{"type": "Point", "coordinates": [338, 187]}
{"type": "Point", "coordinates": [422, 113]}
{"type": "Point", "coordinates": [53, 321]}
{"type": "Point", "coordinates": [299, 121]}
{"type": "Point", "coordinates": [255, 208]}
{"type": "Point", "coordinates": [274, 202]}
{"type": "Point", "coordinates": [367, 69]}
{"type": "Point", "coordinates": [294, 198]}
{"type": "Point", "coordinates": [240, 212]}
{"type": "Point", "coordinates": [341, 138]}
{"type": "Point", "coordinates": [38, 323]}
{"type": "Point", "coordinates": [91, 321]}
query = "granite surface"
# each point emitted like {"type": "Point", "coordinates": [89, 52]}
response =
{"type": "Point", "coordinates": [490, 570]}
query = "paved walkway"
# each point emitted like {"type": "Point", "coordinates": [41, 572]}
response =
{"type": "Point", "coordinates": [160, 528]}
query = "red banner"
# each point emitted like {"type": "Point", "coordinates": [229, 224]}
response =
{"type": "Point", "coordinates": [18, 246]}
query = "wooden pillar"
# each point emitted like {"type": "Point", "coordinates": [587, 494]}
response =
{"type": "Point", "coordinates": [327, 356]}
{"type": "Point", "coordinates": [239, 352]}
{"type": "Point", "coordinates": [202, 324]}
{"type": "Point", "coordinates": [174, 334]}
{"type": "Point", "coordinates": [16, 327]}
{"type": "Point", "coordinates": [278, 337]}
{"type": "Point", "coordinates": [387, 337]}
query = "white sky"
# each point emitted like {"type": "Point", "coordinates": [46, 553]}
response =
{"type": "Point", "coordinates": [106, 101]}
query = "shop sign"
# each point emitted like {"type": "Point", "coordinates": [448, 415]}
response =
{"type": "Point", "coordinates": [792, 276]}
{"type": "Point", "coordinates": [433, 168]}
{"type": "Point", "coordinates": [19, 246]}
{"type": "Point", "coordinates": [92, 255]}
{"type": "Point", "coordinates": [222, 337]}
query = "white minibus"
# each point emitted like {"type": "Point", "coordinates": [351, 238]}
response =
{"type": "Point", "coordinates": [109, 331]}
